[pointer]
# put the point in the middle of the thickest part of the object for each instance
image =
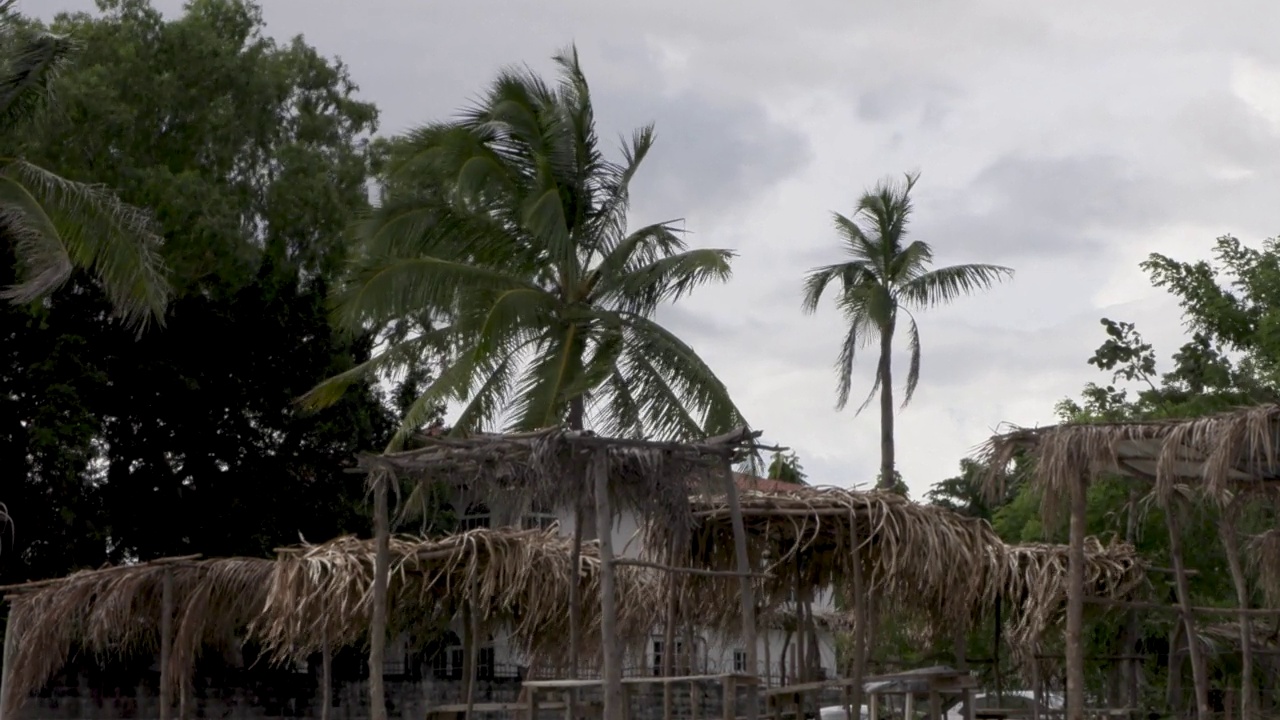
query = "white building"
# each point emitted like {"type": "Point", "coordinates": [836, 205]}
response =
{"type": "Point", "coordinates": [713, 651]}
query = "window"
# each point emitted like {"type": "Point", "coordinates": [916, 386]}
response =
{"type": "Point", "coordinates": [449, 663]}
{"type": "Point", "coordinates": [679, 661]}
{"type": "Point", "coordinates": [539, 517]}
{"type": "Point", "coordinates": [476, 516]}
{"type": "Point", "coordinates": [740, 661]}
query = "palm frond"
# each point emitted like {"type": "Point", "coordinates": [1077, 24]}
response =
{"type": "Point", "coordinates": [26, 78]}
{"type": "Point", "coordinates": [913, 370]}
{"type": "Point", "coordinates": [942, 285]}
{"type": "Point", "coordinates": [57, 221]}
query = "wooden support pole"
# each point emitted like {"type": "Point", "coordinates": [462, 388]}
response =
{"type": "Point", "coordinates": [8, 707]}
{"type": "Point", "coordinates": [669, 637]}
{"type": "Point", "coordinates": [744, 587]}
{"type": "Point", "coordinates": [609, 646]}
{"type": "Point", "coordinates": [1231, 543]}
{"type": "Point", "coordinates": [326, 678]}
{"type": "Point", "coordinates": [1198, 670]}
{"type": "Point", "coordinates": [860, 649]}
{"type": "Point", "coordinates": [381, 576]}
{"type": "Point", "coordinates": [469, 643]}
{"type": "Point", "coordinates": [1075, 601]}
{"type": "Point", "coordinates": [995, 651]}
{"type": "Point", "coordinates": [166, 644]}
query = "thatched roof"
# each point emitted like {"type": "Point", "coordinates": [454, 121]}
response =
{"type": "Point", "coordinates": [550, 466]}
{"type": "Point", "coordinates": [317, 594]}
{"type": "Point", "coordinates": [516, 578]}
{"type": "Point", "coordinates": [117, 610]}
{"type": "Point", "coordinates": [1215, 453]}
{"type": "Point", "coordinates": [925, 558]}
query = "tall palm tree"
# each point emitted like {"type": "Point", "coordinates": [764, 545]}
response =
{"type": "Point", "coordinates": [505, 235]}
{"type": "Point", "coordinates": [55, 225]}
{"type": "Point", "coordinates": [883, 279]}
{"type": "Point", "coordinates": [509, 228]}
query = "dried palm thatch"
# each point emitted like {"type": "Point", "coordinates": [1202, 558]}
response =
{"type": "Point", "coordinates": [1215, 453]}
{"type": "Point", "coordinates": [116, 611]}
{"type": "Point", "coordinates": [1264, 560]}
{"type": "Point", "coordinates": [548, 467]}
{"type": "Point", "coordinates": [1033, 579]}
{"type": "Point", "coordinates": [927, 560]}
{"type": "Point", "coordinates": [517, 579]}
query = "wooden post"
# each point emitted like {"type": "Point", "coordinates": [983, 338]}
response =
{"type": "Point", "coordinates": [995, 651]}
{"type": "Point", "coordinates": [378, 618]}
{"type": "Point", "coordinates": [961, 640]}
{"type": "Point", "coordinates": [1075, 601]}
{"type": "Point", "coordinates": [729, 693]}
{"type": "Point", "coordinates": [326, 678]}
{"type": "Point", "coordinates": [1231, 543]}
{"type": "Point", "coordinates": [860, 649]}
{"type": "Point", "coordinates": [1198, 670]}
{"type": "Point", "coordinates": [744, 586]}
{"type": "Point", "coordinates": [611, 686]}
{"type": "Point", "coordinates": [669, 637]}
{"type": "Point", "coordinates": [695, 693]}
{"type": "Point", "coordinates": [166, 643]}
{"type": "Point", "coordinates": [935, 705]}
{"type": "Point", "coordinates": [470, 640]}
{"type": "Point", "coordinates": [575, 605]}
{"type": "Point", "coordinates": [11, 628]}
{"type": "Point", "coordinates": [1036, 695]}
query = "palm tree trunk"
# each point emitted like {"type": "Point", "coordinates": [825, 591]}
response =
{"type": "Point", "coordinates": [885, 372]}
{"type": "Point", "coordinates": [378, 621]}
{"type": "Point", "coordinates": [1232, 545]}
{"type": "Point", "coordinates": [612, 667]}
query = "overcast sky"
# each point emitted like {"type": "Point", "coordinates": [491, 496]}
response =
{"type": "Point", "coordinates": [1066, 140]}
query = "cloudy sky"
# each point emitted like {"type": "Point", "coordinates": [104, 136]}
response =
{"type": "Point", "coordinates": [1066, 140]}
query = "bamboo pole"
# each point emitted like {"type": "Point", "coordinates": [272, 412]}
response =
{"type": "Point", "coordinates": [612, 670]}
{"type": "Point", "coordinates": [166, 643]}
{"type": "Point", "coordinates": [1198, 670]}
{"type": "Point", "coordinates": [1075, 602]}
{"type": "Point", "coordinates": [575, 606]}
{"type": "Point", "coordinates": [745, 588]}
{"type": "Point", "coordinates": [378, 619]}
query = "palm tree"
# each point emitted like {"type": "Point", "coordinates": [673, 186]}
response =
{"type": "Point", "coordinates": [55, 225]}
{"type": "Point", "coordinates": [883, 279]}
{"type": "Point", "coordinates": [505, 235]}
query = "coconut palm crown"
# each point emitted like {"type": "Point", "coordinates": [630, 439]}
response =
{"type": "Point", "coordinates": [506, 231]}
{"type": "Point", "coordinates": [883, 280]}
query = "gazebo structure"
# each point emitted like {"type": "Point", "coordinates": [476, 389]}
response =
{"type": "Point", "coordinates": [1218, 459]}
{"type": "Point", "coordinates": [556, 466]}
{"type": "Point", "coordinates": [944, 568]}
{"type": "Point", "coordinates": [312, 599]}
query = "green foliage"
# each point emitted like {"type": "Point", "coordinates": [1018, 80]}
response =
{"type": "Point", "coordinates": [503, 236]}
{"type": "Point", "coordinates": [255, 158]}
{"type": "Point", "coordinates": [53, 225]}
{"type": "Point", "coordinates": [787, 468]}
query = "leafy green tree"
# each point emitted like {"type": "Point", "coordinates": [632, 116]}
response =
{"type": "Point", "coordinates": [883, 279]}
{"type": "Point", "coordinates": [504, 236]}
{"type": "Point", "coordinates": [255, 157]}
{"type": "Point", "coordinates": [54, 225]}
{"type": "Point", "coordinates": [787, 468]}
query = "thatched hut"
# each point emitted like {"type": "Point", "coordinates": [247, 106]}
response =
{"type": "Point", "coordinates": [175, 606]}
{"type": "Point", "coordinates": [314, 599]}
{"type": "Point", "coordinates": [944, 568]}
{"type": "Point", "coordinates": [559, 467]}
{"type": "Point", "coordinates": [1217, 459]}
